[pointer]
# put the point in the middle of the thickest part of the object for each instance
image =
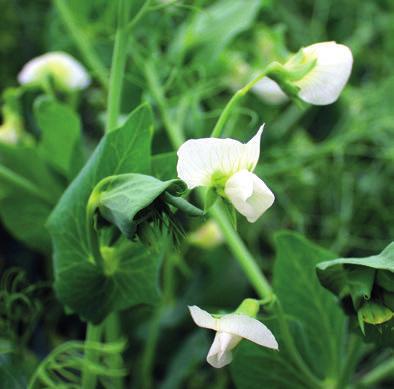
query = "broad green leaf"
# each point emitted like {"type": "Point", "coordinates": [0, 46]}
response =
{"type": "Point", "coordinates": [191, 353]}
{"type": "Point", "coordinates": [26, 162]}
{"type": "Point", "coordinates": [316, 323]}
{"type": "Point", "coordinates": [60, 142]}
{"type": "Point", "coordinates": [164, 165]}
{"type": "Point", "coordinates": [305, 301]}
{"type": "Point", "coordinates": [29, 191]}
{"type": "Point", "coordinates": [80, 284]}
{"type": "Point", "coordinates": [119, 198]}
{"type": "Point", "coordinates": [255, 367]}
{"type": "Point", "coordinates": [25, 217]}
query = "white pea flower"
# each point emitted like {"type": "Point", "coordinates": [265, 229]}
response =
{"type": "Point", "coordinates": [227, 165]}
{"type": "Point", "coordinates": [230, 329]}
{"type": "Point", "coordinates": [269, 91]}
{"type": "Point", "coordinates": [65, 71]}
{"type": "Point", "coordinates": [324, 82]}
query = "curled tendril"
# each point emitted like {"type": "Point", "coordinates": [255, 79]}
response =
{"type": "Point", "coordinates": [63, 367]}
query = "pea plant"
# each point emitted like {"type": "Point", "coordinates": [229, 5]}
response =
{"type": "Point", "coordinates": [135, 172]}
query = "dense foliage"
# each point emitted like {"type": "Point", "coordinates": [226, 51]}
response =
{"type": "Point", "coordinates": [103, 247]}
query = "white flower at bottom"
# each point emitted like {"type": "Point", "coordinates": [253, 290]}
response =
{"type": "Point", "coordinates": [227, 166]}
{"type": "Point", "coordinates": [230, 330]}
{"type": "Point", "coordinates": [65, 71]}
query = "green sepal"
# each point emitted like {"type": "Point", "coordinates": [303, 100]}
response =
{"type": "Point", "coordinates": [210, 198]}
{"type": "Point", "coordinates": [183, 205]}
{"type": "Point", "coordinates": [249, 307]}
{"type": "Point", "coordinates": [231, 213]}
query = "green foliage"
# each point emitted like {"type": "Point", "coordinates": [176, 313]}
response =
{"type": "Point", "coordinates": [81, 284]}
{"type": "Point", "coordinates": [120, 198]}
{"type": "Point", "coordinates": [331, 170]}
{"type": "Point", "coordinates": [316, 323]}
{"type": "Point", "coordinates": [366, 282]}
{"type": "Point", "coordinates": [60, 143]}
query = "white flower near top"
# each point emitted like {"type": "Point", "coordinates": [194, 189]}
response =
{"type": "Point", "coordinates": [227, 165]}
{"type": "Point", "coordinates": [64, 70]}
{"type": "Point", "coordinates": [230, 330]}
{"type": "Point", "coordinates": [324, 82]}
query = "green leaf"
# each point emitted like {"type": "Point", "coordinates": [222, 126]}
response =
{"type": "Point", "coordinates": [29, 191]}
{"type": "Point", "coordinates": [164, 165]}
{"type": "Point", "coordinates": [330, 273]}
{"type": "Point", "coordinates": [367, 281]}
{"type": "Point", "coordinates": [60, 143]}
{"type": "Point", "coordinates": [120, 198]}
{"type": "Point", "coordinates": [255, 367]}
{"type": "Point", "coordinates": [316, 323]}
{"type": "Point", "coordinates": [80, 284]}
{"type": "Point", "coordinates": [297, 287]}
{"type": "Point", "coordinates": [210, 198]}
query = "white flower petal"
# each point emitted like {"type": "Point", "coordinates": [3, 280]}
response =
{"type": "Point", "coordinates": [219, 354]}
{"type": "Point", "coordinates": [203, 318]}
{"type": "Point", "coordinates": [248, 328]}
{"type": "Point", "coordinates": [269, 91]}
{"type": "Point", "coordinates": [64, 69]}
{"type": "Point", "coordinates": [324, 83]}
{"type": "Point", "coordinates": [249, 194]}
{"type": "Point", "coordinates": [200, 159]}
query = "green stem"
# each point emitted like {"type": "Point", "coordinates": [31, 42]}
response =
{"type": "Point", "coordinates": [217, 131]}
{"type": "Point", "coordinates": [138, 15]}
{"type": "Point", "coordinates": [118, 67]}
{"type": "Point", "coordinates": [383, 371]}
{"type": "Point", "coordinates": [93, 334]}
{"type": "Point", "coordinates": [244, 257]}
{"type": "Point", "coordinates": [82, 42]}
{"type": "Point", "coordinates": [22, 183]}
{"type": "Point", "coordinates": [112, 333]}
{"type": "Point", "coordinates": [173, 130]}
{"type": "Point", "coordinates": [150, 348]}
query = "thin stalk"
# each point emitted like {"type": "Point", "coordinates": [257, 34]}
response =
{"type": "Point", "coordinates": [112, 333]}
{"type": "Point", "coordinates": [218, 129]}
{"type": "Point", "coordinates": [173, 130]}
{"type": "Point", "coordinates": [82, 42]}
{"type": "Point", "coordinates": [118, 67]}
{"type": "Point", "coordinates": [244, 257]}
{"type": "Point", "coordinates": [150, 348]}
{"type": "Point", "coordinates": [381, 372]}
{"type": "Point", "coordinates": [93, 334]}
